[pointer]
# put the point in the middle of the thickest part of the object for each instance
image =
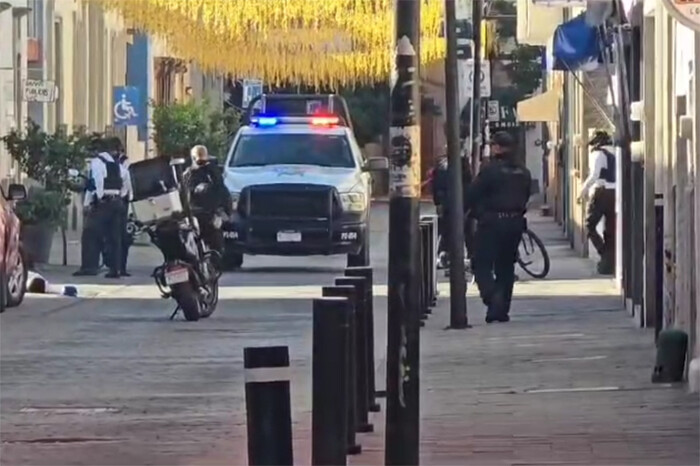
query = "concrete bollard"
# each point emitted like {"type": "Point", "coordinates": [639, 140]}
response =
{"type": "Point", "coordinates": [268, 407]}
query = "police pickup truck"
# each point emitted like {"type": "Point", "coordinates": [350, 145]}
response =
{"type": "Point", "coordinates": [299, 183]}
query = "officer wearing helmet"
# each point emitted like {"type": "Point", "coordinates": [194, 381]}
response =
{"type": "Point", "coordinates": [498, 198]}
{"type": "Point", "coordinates": [599, 189]}
{"type": "Point", "coordinates": [208, 195]}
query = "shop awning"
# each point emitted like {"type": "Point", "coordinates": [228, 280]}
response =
{"type": "Point", "coordinates": [540, 108]}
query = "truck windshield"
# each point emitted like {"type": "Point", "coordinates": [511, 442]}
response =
{"type": "Point", "coordinates": [325, 150]}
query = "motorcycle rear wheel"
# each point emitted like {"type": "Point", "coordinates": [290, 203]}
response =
{"type": "Point", "coordinates": [210, 306]}
{"type": "Point", "coordinates": [187, 299]}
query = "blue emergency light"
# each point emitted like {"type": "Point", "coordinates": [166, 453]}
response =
{"type": "Point", "coordinates": [265, 121]}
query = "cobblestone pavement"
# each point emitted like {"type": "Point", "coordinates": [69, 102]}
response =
{"type": "Point", "coordinates": [107, 380]}
{"type": "Point", "coordinates": [567, 381]}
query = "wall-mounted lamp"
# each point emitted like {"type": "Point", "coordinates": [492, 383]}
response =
{"type": "Point", "coordinates": [637, 151]}
{"type": "Point", "coordinates": [637, 111]}
{"type": "Point", "coordinates": [577, 140]}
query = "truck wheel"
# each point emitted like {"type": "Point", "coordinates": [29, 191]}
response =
{"type": "Point", "coordinates": [233, 261]}
{"type": "Point", "coordinates": [362, 256]}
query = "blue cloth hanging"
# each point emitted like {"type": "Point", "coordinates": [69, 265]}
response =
{"type": "Point", "coordinates": [575, 46]}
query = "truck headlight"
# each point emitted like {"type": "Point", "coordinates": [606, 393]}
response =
{"type": "Point", "coordinates": [353, 202]}
{"type": "Point", "coordinates": [235, 197]}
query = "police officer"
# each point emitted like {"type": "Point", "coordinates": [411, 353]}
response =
{"type": "Point", "coordinates": [92, 238]}
{"type": "Point", "coordinates": [214, 196]}
{"type": "Point", "coordinates": [498, 197]}
{"type": "Point", "coordinates": [126, 196]}
{"type": "Point", "coordinates": [599, 188]}
{"type": "Point", "coordinates": [112, 183]}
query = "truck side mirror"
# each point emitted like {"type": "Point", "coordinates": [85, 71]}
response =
{"type": "Point", "coordinates": [376, 164]}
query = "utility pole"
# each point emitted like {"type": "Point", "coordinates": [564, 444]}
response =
{"type": "Point", "coordinates": [477, 7]}
{"type": "Point", "coordinates": [455, 208]}
{"type": "Point", "coordinates": [402, 384]}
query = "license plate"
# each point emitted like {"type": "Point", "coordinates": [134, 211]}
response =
{"type": "Point", "coordinates": [176, 275]}
{"type": "Point", "coordinates": [289, 237]}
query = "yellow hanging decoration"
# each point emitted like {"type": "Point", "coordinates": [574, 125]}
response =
{"type": "Point", "coordinates": [317, 42]}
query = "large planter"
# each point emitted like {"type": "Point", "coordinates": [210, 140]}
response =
{"type": "Point", "coordinates": [37, 241]}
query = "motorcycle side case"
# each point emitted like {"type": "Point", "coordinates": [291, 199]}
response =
{"type": "Point", "coordinates": [158, 208]}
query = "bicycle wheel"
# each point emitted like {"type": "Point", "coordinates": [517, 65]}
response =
{"type": "Point", "coordinates": [532, 255]}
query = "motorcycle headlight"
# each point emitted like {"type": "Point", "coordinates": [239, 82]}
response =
{"type": "Point", "coordinates": [235, 197]}
{"type": "Point", "coordinates": [353, 202]}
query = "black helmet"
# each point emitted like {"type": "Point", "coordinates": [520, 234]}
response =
{"type": "Point", "coordinates": [503, 139]}
{"type": "Point", "coordinates": [600, 138]}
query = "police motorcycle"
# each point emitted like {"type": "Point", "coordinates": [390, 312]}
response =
{"type": "Point", "coordinates": [190, 271]}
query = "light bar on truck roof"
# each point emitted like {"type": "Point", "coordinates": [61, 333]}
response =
{"type": "Point", "coordinates": [267, 121]}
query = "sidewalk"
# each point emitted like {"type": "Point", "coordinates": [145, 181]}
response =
{"type": "Point", "coordinates": [567, 381]}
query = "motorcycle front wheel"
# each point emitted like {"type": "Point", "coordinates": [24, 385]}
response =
{"type": "Point", "coordinates": [186, 297]}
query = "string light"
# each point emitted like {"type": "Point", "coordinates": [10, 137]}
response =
{"type": "Point", "coordinates": [316, 42]}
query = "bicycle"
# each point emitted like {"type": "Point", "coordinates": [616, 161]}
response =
{"type": "Point", "coordinates": [528, 243]}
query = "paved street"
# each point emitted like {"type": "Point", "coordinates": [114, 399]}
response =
{"type": "Point", "coordinates": [108, 380]}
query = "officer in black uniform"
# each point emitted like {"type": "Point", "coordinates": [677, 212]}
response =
{"type": "Point", "coordinates": [215, 196]}
{"type": "Point", "coordinates": [498, 197]}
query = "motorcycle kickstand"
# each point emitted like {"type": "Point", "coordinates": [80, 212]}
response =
{"type": "Point", "coordinates": [172, 316]}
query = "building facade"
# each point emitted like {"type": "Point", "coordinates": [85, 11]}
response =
{"type": "Point", "coordinates": [659, 233]}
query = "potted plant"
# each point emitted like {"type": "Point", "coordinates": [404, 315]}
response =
{"type": "Point", "coordinates": [46, 159]}
{"type": "Point", "coordinates": [40, 215]}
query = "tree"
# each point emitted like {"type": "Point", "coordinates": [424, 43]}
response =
{"type": "Point", "coordinates": [180, 126]}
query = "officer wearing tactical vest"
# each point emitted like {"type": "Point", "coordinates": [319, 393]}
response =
{"type": "Point", "coordinates": [498, 197]}
{"type": "Point", "coordinates": [599, 188]}
{"type": "Point", "coordinates": [109, 183]}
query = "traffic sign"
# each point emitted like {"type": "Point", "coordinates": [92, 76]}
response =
{"type": "Point", "coordinates": [37, 90]}
{"type": "Point", "coordinates": [251, 89]}
{"type": "Point", "coordinates": [686, 12]}
{"type": "Point", "coordinates": [485, 77]}
{"type": "Point", "coordinates": [126, 102]}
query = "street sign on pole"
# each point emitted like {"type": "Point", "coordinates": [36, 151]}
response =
{"type": "Point", "coordinates": [126, 100]}
{"type": "Point", "coordinates": [251, 89]}
{"type": "Point", "coordinates": [484, 78]}
{"type": "Point", "coordinates": [404, 310]}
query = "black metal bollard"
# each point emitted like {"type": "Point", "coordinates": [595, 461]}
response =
{"type": "Point", "coordinates": [362, 371]}
{"type": "Point", "coordinates": [425, 269]}
{"type": "Point", "coordinates": [368, 274]}
{"type": "Point", "coordinates": [353, 448]}
{"type": "Point", "coordinates": [268, 409]}
{"type": "Point", "coordinates": [329, 415]}
{"type": "Point", "coordinates": [431, 221]}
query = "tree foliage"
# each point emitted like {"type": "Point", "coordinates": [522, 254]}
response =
{"type": "Point", "coordinates": [46, 159]}
{"type": "Point", "coordinates": [180, 126]}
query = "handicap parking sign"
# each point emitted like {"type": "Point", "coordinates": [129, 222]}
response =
{"type": "Point", "coordinates": [126, 104]}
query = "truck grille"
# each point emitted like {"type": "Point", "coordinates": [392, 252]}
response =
{"type": "Point", "coordinates": [290, 201]}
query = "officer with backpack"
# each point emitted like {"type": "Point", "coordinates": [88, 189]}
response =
{"type": "Point", "coordinates": [599, 189]}
{"type": "Point", "coordinates": [108, 182]}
